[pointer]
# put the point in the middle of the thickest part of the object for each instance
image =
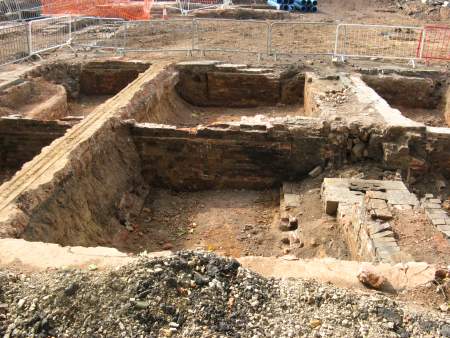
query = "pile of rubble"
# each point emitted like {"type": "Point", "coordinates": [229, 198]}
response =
{"type": "Point", "coordinates": [197, 294]}
{"type": "Point", "coordinates": [425, 9]}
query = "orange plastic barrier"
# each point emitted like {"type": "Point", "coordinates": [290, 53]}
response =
{"type": "Point", "coordinates": [125, 9]}
{"type": "Point", "coordinates": [434, 43]}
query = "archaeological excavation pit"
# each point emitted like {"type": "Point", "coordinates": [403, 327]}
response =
{"type": "Point", "coordinates": [424, 98]}
{"type": "Point", "coordinates": [44, 103]}
{"type": "Point", "coordinates": [230, 158]}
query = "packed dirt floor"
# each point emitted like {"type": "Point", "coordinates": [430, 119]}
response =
{"type": "Point", "coordinates": [230, 222]}
{"type": "Point", "coordinates": [180, 113]}
{"type": "Point", "coordinates": [419, 238]}
{"type": "Point", "coordinates": [85, 104]}
{"type": "Point", "coordinates": [233, 223]}
{"type": "Point", "coordinates": [429, 117]}
{"type": "Point", "coordinates": [210, 115]}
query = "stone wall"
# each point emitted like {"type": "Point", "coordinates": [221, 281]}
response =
{"type": "Point", "coordinates": [22, 139]}
{"type": "Point", "coordinates": [438, 150]}
{"type": "Point", "coordinates": [211, 83]}
{"type": "Point", "coordinates": [229, 155]}
{"type": "Point", "coordinates": [364, 209]}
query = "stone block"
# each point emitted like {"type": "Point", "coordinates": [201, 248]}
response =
{"type": "Point", "coordinates": [378, 227]}
{"type": "Point", "coordinates": [446, 233]}
{"type": "Point", "coordinates": [402, 207]}
{"type": "Point", "coordinates": [434, 212]}
{"type": "Point", "coordinates": [291, 201]}
{"type": "Point", "coordinates": [376, 195]}
{"type": "Point", "coordinates": [443, 227]}
{"type": "Point", "coordinates": [386, 233]}
{"type": "Point", "coordinates": [333, 194]}
{"type": "Point", "coordinates": [385, 240]}
{"type": "Point", "coordinates": [389, 249]}
{"type": "Point", "coordinates": [429, 205]}
{"type": "Point", "coordinates": [401, 197]}
{"type": "Point", "coordinates": [379, 209]}
{"type": "Point", "coordinates": [438, 221]}
{"type": "Point", "coordinates": [289, 187]}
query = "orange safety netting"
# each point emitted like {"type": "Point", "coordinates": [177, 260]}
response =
{"type": "Point", "coordinates": [125, 9]}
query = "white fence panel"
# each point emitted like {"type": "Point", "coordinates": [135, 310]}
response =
{"type": "Point", "coordinates": [14, 43]}
{"type": "Point", "coordinates": [391, 42]}
{"type": "Point", "coordinates": [98, 32]}
{"type": "Point", "coordinates": [247, 36]}
{"type": "Point", "coordinates": [159, 35]}
{"type": "Point", "coordinates": [302, 38]}
{"type": "Point", "coordinates": [49, 33]}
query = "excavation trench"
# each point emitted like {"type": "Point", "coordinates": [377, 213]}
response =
{"type": "Point", "coordinates": [199, 155]}
{"type": "Point", "coordinates": [425, 99]}
{"type": "Point", "coordinates": [44, 104]}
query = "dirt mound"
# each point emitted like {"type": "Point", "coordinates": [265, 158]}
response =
{"type": "Point", "coordinates": [197, 295]}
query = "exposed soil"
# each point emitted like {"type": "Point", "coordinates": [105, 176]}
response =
{"type": "Point", "coordinates": [176, 111]}
{"type": "Point", "coordinates": [85, 104]}
{"type": "Point", "coordinates": [429, 117]}
{"type": "Point", "coordinates": [433, 295]}
{"type": "Point", "coordinates": [319, 234]}
{"type": "Point", "coordinates": [419, 238]}
{"type": "Point", "coordinates": [230, 222]}
{"type": "Point", "coordinates": [5, 175]}
{"type": "Point", "coordinates": [205, 116]}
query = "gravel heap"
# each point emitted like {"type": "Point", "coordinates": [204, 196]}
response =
{"type": "Point", "coordinates": [197, 294]}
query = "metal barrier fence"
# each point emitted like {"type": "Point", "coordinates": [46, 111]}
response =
{"type": "Point", "coordinates": [14, 42]}
{"type": "Point", "coordinates": [93, 32]}
{"type": "Point", "coordinates": [392, 42]}
{"type": "Point", "coordinates": [159, 35]}
{"type": "Point", "coordinates": [227, 35]}
{"type": "Point", "coordinates": [13, 10]}
{"type": "Point", "coordinates": [49, 33]}
{"type": "Point", "coordinates": [263, 38]}
{"type": "Point", "coordinates": [435, 43]}
{"type": "Point", "coordinates": [300, 38]}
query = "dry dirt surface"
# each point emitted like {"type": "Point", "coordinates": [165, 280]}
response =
{"type": "Point", "coordinates": [419, 238]}
{"type": "Point", "coordinates": [319, 234]}
{"type": "Point", "coordinates": [229, 222]}
{"type": "Point", "coordinates": [429, 117]}
{"type": "Point", "coordinates": [210, 115]}
{"type": "Point", "coordinates": [85, 104]}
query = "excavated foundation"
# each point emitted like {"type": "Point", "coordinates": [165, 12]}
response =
{"type": "Point", "coordinates": [222, 157]}
{"type": "Point", "coordinates": [45, 103]}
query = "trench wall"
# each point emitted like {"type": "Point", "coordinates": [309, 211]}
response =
{"type": "Point", "coordinates": [227, 85]}
{"type": "Point", "coordinates": [229, 155]}
{"type": "Point", "coordinates": [407, 91]}
{"type": "Point", "coordinates": [23, 139]}
{"type": "Point", "coordinates": [73, 191]}
{"type": "Point", "coordinates": [91, 78]}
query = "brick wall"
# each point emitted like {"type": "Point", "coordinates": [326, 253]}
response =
{"type": "Point", "coordinates": [228, 156]}
{"type": "Point", "coordinates": [22, 139]}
